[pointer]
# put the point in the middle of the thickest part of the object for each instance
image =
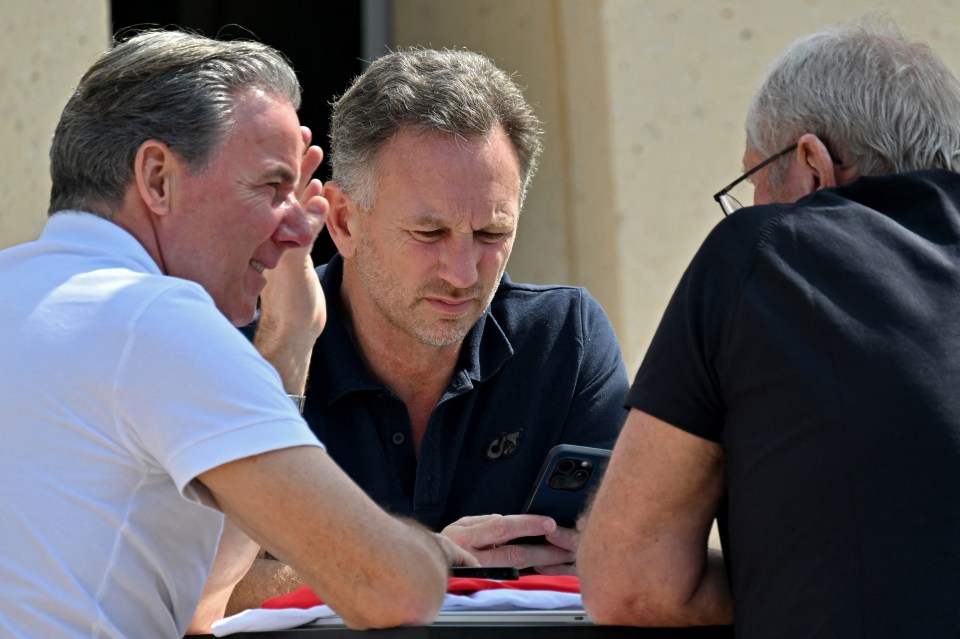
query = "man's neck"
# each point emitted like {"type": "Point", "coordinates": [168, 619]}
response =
{"type": "Point", "coordinates": [416, 373]}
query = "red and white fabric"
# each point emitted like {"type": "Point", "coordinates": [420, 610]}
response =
{"type": "Point", "coordinates": [530, 592]}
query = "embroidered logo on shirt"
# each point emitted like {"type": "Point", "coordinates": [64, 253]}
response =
{"type": "Point", "coordinates": [505, 446]}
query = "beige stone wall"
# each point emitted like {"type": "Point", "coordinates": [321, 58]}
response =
{"type": "Point", "coordinates": [643, 102]}
{"type": "Point", "coordinates": [45, 45]}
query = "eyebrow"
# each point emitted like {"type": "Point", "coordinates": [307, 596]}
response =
{"type": "Point", "coordinates": [434, 220]}
{"type": "Point", "coordinates": [280, 171]}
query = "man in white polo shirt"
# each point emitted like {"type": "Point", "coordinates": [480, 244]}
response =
{"type": "Point", "coordinates": [134, 415]}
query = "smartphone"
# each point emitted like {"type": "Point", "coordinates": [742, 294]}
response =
{"type": "Point", "coordinates": [569, 476]}
{"type": "Point", "coordinates": [499, 573]}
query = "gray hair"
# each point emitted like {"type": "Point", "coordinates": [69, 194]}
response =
{"type": "Point", "coordinates": [171, 86]}
{"type": "Point", "coordinates": [453, 91]}
{"type": "Point", "coordinates": [886, 104]}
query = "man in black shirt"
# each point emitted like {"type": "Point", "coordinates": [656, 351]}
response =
{"type": "Point", "coordinates": [803, 383]}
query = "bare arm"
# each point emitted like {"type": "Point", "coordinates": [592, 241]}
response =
{"type": "Point", "coordinates": [483, 536]}
{"type": "Point", "coordinates": [267, 578]}
{"type": "Point", "coordinates": [373, 569]}
{"type": "Point", "coordinates": [644, 560]}
{"type": "Point", "coordinates": [234, 555]}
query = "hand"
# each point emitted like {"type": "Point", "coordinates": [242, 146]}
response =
{"type": "Point", "coordinates": [293, 295]}
{"type": "Point", "coordinates": [568, 539]}
{"type": "Point", "coordinates": [454, 554]}
{"type": "Point", "coordinates": [293, 310]}
{"type": "Point", "coordinates": [485, 536]}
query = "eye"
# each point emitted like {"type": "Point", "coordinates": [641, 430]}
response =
{"type": "Point", "coordinates": [279, 190]}
{"type": "Point", "coordinates": [428, 236]}
{"type": "Point", "coordinates": [490, 237]}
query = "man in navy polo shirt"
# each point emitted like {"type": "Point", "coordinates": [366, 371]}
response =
{"type": "Point", "coordinates": [438, 384]}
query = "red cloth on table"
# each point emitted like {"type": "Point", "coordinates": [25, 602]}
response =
{"type": "Point", "coordinates": [304, 597]}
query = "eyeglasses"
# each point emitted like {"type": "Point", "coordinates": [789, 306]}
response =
{"type": "Point", "coordinates": [727, 202]}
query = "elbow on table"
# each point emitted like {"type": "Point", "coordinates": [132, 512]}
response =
{"type": "Point", "coordinates": [409, 602]}
{"type": "Point", "coordinates": [412, 611]}
{"type": "Point", "coordinates": [609, 608]}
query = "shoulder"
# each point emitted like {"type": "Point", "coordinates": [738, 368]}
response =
{"type": "Point", "coordinates": [532, 301]}
{"type": "Point", "coordinates": [167, 318]}
{"type": "Point", "coordinates": [549, 310]}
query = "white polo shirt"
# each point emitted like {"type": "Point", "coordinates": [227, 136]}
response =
{"type": "Point", "coordinates": [118, 387]}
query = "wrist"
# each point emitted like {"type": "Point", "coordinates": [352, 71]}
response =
{"type": "Point", "coordinates": [292, 326]}
{"type": "Point", "coordinates": [298, 401]}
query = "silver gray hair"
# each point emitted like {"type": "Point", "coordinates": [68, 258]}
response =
{"type": "Point", "coordinates": [881, 102]}
{"type": "Point", "coordinates": [453, 91]}
{"type": "Point", "coordinates": [171, 86]}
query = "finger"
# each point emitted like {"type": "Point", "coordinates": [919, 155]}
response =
{"type": "Point", "coordinates": [484, 531]}
{"type": "Point", "coordinates": [558, 569]}
{"type": "Point", "coordinates": [312, 198]}
{"type": "Point", "coordinates": [526, 555]}
{"type": "Point", "coordinates": [566, 538]}
{"type": "Point", "coordinates": [515, 526]}
{"type": "Point", "coordinates": [308, 165]}
{"type": "Point", "coordinates": [472, 520]}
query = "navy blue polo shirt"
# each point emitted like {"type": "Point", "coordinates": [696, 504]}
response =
{"type": "Point", "coordinates": [542, 366]}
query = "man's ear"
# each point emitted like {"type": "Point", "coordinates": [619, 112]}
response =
{"type": "Point", "coordinates": [815, 168]}
{"type": "Point", "coordinates": [343, 219]}
{"type": "Point", "coordinates": [155, 168]}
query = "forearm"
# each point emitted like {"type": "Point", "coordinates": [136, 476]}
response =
{"type": "Point", "coordinates": [712, 601]}
{"type": "Point", "coordinates": [407, 576]}
{"type": "Point", "coordinates": [301, 506]}
{"type": "Point", "coordinates": [267, 578]}
{"type": "Point", "coordinates": [644, 558]}
{"type": "Point", "coordinates": [292, 316]}
{"type": "Point", "coordinates": [288, 347]}
{"type": "Point", "coordinates": [235, 553]}
{"type": "Point", "coordinates": [648, 594]}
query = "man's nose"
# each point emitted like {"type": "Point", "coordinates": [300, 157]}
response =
{"type": "Point", "coordinates": [458, 261]}
{"type": "Point", "coordinates": [294, 230]}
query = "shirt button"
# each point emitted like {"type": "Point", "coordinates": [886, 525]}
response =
{"type": "Point", "coordinates": [398, 438]}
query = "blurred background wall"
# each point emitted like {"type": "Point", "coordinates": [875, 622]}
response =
{"type": "Point", "coordinates": [642, 100]}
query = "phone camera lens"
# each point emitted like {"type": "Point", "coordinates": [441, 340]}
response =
{"type": "Point", "coordinates": [565, 466]}
{"type": "Point", "coordinates": [581, 476]}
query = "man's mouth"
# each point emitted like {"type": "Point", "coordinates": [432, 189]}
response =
{"type": "Point", "coordinates": [257, 266]}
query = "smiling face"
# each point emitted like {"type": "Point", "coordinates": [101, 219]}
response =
{"type": "Point", "coordinates": [428, 256]}
{"type": "Point", "coordinates": [235, 218]}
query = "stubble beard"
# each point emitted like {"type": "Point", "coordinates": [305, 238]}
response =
{"type": "Point", "coordinates": [387, 294]}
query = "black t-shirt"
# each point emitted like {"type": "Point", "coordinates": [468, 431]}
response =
{"type": "Point", "coordinates": [819, 343]}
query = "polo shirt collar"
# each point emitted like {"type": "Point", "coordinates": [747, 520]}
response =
{"type": "Point", "coordinates": [87, 231]}
{"type": "Point", "coordinates": [485, 348]}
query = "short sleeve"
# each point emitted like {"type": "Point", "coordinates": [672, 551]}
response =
{"type": "Point", "coordinates": [192, 393]}
{"type": "Point", "coordinates": [680, 378]}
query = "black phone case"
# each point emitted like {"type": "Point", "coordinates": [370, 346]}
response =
{"type": "Point", "coordinates": [559, 492]}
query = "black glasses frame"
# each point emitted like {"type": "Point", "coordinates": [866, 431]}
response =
{"type": "Point", "coordinates": [726, 201]}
